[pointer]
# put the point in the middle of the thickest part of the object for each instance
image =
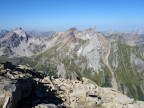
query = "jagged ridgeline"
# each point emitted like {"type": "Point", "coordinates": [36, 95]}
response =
{"type": "Point", "coordinates": [115, 60]}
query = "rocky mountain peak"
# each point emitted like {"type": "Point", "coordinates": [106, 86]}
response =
{"type": "Point", "coordinates": [71, 34]}
{"type": "Point", "coordinates": [20, 32]}
{"type": "Point", "coordinates": [72, 29]}
{"type": "Point", "coordinates": [14, 41]}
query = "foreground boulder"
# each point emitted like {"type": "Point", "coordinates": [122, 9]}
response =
{"type": "Point", "coordinates": [16, 83]}
{"type": "Point", "coordinates": [11, 91]}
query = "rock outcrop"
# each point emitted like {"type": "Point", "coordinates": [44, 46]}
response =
{"type": "Point", "coordinates": [87, 94]}
{"type": "Point", "coordinates": [23, 87]}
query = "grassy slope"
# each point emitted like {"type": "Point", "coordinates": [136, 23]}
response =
{"type": "Point", "coordinates": [127, 74]}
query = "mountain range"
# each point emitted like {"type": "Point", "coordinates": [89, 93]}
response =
{"type": "Point", "coordinates": [112, 60]}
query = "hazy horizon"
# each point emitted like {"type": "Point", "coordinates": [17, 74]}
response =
{"type": "Point", "coordinates": [60, 15]}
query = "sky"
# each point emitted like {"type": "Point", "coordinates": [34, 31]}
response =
{"type": "Point", "coordinates": [50, 15]}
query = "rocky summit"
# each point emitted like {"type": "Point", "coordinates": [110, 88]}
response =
{"type": "Point", "coordinates": [23, 87]}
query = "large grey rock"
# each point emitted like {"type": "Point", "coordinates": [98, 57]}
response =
{"type": "Point", "coordinates": [15, 84]}
{"type": "Point", "coordinates": [10, 93]}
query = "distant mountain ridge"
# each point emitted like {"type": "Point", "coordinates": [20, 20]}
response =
{"type": "Point", "coordinates": [115, 60]}
{"type": "Point", "coordinates": [18, 43]}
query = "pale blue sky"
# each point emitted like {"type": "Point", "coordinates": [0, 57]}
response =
{"type": "Point", "coordinates": [63, 14]}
